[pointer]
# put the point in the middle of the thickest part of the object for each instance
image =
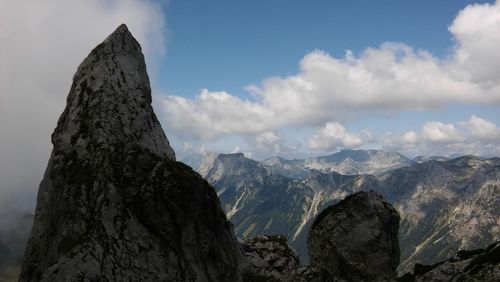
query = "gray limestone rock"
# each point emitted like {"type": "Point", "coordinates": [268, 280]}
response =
{"type": "Point", "coordinates": [356, 240]}
{"type": "Point", "coordinates": [114, 205]}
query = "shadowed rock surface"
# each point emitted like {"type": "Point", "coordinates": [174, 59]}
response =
{"type": "Point", "coordinates": [356, 240]}
{"type": "Point", "coordinates": [476, 265]}
{"type": "Point", "coordinates": [274, 260]}
{"type": "Point", "coordinates": [114, 205]}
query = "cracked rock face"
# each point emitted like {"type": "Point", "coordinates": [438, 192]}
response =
{"type": "Point", "coordinates": [356, 240]}
{"type": "Point", "coordinates": [114, 205]}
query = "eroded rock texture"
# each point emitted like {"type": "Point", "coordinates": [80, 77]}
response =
{"type": "Point", "coordinates": [356, 240]}
{"type": "Point", "coordinates": [274, 260]}
{"type": "Point", "coordinates": [114, 205]}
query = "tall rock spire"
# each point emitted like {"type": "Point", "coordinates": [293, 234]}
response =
{"type": "Point", "coordinates": [109, 103]}
{"type": "Point", "coordinates": [113, 204]}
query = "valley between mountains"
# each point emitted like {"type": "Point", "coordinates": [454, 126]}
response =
{"type": "Point", "coordinates": [445, 205]}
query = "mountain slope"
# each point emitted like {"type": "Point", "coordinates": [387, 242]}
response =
{"type": "Point", "coordinates": [444, 205]}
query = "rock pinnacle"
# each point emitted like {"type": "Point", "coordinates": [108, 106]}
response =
{"type": "Point", "coordinates": [114, 205]}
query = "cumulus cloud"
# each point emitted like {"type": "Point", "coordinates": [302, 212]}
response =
{"type": "Point", "coordinates": [440, 133]}
{"type": "Point", "coordinates": [409, 137]}
{"type": "Point", "coordinates": [42, 44]}
{"type": "Point", "coordinates": [270, 143]}
{"type": "Point", "coordinates": [483, 130]}
{"type": "Point", "coordinates": [476, 136]}
{"type": "Point", "coordinates": [476, 30]}
{"type": "Point", "coordinates": [269, 140]}
{"type": "Point", "coordinates": [212, 114]}
{"type": "Point", "coordinates": [392, 77]}
{"type": "Point", "coordinates": [334, 135]}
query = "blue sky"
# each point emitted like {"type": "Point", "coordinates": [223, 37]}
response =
{"type": "Point", "coordinates": [226, 45]}
{"type": "Point", "coordinates": [229, 45]}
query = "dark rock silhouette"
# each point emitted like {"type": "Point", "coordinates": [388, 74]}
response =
{"type": "Point", "coordinates": [356, 240]}
{"type": "Point", "coordinates": [274, 260]}
{"type": "Point", "coordinates": [114, 205]}
{"type": "Point", "coordinates": [475, 265]}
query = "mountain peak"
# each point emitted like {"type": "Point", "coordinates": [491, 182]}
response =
{"type": "Point", "coordinates": [110, 101]}
{"type": "Point", "coordinates": [113, 204]}
{"type": "Point", "coordinates": [122, 28]}
{"type": "Point", "coordinates": [121, 38]}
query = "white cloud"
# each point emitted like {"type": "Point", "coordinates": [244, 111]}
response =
{"type": "Point", "coordinates": [334, 135]}
{"type": "Point", "coordinates": [270, 143]}
{"type": "Point", "coordinates": [268, 139]}
{"type": "Point", "coordinates": [213, 114]}
{"type": "Point", "coordinates": [441, 133]}
{"type": "Point", "coordinates": [42, 43]}
{"type": "Point", "coordinates": [481, 129]}
{"type": "Point", "coordinates": [477, 32]}
{"type": "Point", "coordinates": [410, 137]}
{"type": "Point", "coordinates": [476, 136]}
{"type": "Point", "coordinates": [392, 77]}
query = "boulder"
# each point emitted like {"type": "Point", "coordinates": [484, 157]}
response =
{"type": "Point", "coordinates": [356, 240]}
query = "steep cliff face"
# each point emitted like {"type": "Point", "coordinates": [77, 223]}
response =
{"type": "Point", "coordinates": [114, 205]}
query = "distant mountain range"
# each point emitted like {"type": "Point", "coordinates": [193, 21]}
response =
{"type": "Point", "coordinates": [445, 204]}
{"type": "Point", "coordinates": [349, 162]}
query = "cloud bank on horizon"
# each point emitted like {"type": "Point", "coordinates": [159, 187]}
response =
{"type": "Point", "coordinates": [328, 92]}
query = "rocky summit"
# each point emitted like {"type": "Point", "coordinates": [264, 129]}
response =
{"type": "Point", "coordinates": [114, 205]}
{"type": "Point", "coordinates": [356, 240]}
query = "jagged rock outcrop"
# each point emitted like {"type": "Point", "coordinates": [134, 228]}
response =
{"type": "Point", "coordinates": [274, 260]}
{"type": "Point", "coordinates": [476, 265]}
{"type": "Point", "coordinates": [356, 240]}
{"type": "Point", "coordinates": [114, 205]}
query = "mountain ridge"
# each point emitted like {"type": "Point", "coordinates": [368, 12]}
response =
{"type": "Point", "coordinates": [418, 191]}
